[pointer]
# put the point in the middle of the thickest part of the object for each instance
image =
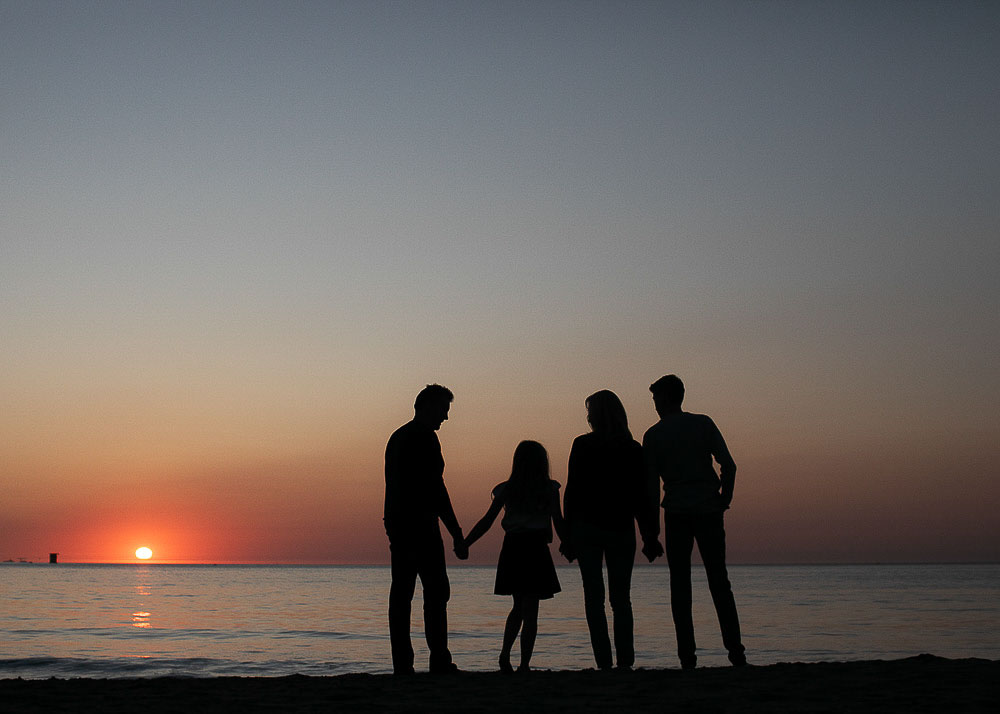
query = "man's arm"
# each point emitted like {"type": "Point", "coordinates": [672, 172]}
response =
{"type": "Point", "coordinates": [447, 514]}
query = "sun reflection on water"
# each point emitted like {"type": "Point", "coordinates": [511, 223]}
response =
{"type": "Point", "coordinates": [140, 618]}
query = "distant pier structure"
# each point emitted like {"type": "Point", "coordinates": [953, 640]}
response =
{"type": "Point", "coordinates": [53, 557]}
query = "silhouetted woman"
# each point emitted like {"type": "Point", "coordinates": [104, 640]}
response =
{"type": "Point", "coordinates": [530, 501]}
{"type": "Point", "coordinates": [605, 492]}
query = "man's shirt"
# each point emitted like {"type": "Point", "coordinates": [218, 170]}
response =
{"type": "Point", "coordinates": [415, 494]}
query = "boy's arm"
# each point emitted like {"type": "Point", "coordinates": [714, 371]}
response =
{"type": "Point", "coordinates": [650, 504]}
{"type": "Point", "coordinates": [727, 467]}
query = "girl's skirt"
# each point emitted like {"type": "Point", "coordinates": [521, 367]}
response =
{"type": "Point", "coordinates": [525, 566]}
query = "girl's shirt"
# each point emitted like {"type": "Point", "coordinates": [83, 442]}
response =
{"type": "Point", "coordinates": [517, 519]}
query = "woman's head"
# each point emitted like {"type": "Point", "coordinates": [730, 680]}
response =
{"type": "Point", "coordinates": [606, 414]}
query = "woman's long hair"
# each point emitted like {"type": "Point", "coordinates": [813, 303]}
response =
{"type": "Point", "coordinates": [528, 485]}
{"type": "Point", "coordinates": [607, 416]}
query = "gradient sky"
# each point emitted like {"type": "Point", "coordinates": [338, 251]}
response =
{"type": "Point", "coordinates": [237, 238]}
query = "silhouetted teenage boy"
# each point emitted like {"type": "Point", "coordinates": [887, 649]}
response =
{"type": "Point", "coordinates": [415, 498]}
{"type": "Point", "coordinates": [679, 449]}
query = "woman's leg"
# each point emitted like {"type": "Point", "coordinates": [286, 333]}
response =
{"type": "Point", "coordinates": [529, 613]}
{"type": "Point", "coordinates": [620, 556]}
{"type": "Point", "coordinates": [510, 631]}
{"type": "Point", "coordinates": [591, 559]}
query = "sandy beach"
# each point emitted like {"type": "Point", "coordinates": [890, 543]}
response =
{"type": "Point", "coordinates": [913, 685]}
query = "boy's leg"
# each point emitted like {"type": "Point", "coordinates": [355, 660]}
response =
{"type": "Point", "coordinates": [679, 540]}
{"type": "Point", "coordinates": [711, 536]}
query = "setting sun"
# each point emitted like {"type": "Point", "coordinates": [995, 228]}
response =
{"type": "Point", "coordinates": [143, 553]}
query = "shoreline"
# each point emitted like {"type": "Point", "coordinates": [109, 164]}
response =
{"type": "Point", "coordinates": [925, 683]}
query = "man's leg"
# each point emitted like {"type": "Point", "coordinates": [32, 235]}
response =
{"type": "Point", "coordinates": [620, 557]}
{"type": "Point", "coordinates": [591, 557]}
{"type": "Point", "coordinates": [711, 536]}
{"type": "Point", "coordinates": [404, 579]}
{"type": "Point", "coordinates": [437, 592]}
{"type": "Point", "coordinates": [679, 540]}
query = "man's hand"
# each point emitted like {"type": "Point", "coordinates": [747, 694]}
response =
{"type": "Point", "coordinates": [567, 551]}
{"type": "Point", "coordinates": [461, 549]}
{"type": "Point", "coordinates": [727, 499]}
{"type": "Point", "coordinates": [652, 549]}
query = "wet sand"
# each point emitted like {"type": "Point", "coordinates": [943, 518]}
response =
{"type": "Point", "coordinates": [913, 685]}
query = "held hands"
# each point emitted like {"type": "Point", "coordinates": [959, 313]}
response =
{"type": "Point", "coordinates": [567, 550]}
{"type": "Point", "coordinates": [652, 549]}
{"type": "Point", "coordinates": [461, 549]}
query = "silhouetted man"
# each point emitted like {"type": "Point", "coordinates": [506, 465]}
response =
{"type": "Point", "coordinates": [415, 498]}
{"type": "Point", "coordinates": [679, 449]}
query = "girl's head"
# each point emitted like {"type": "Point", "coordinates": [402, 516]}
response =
{"type": "Point", "coordinates": [606, 414]}
{"type": "Point", "coordinates": [531, 462]}
{"type": "Point", "coordinates": [529, 474]}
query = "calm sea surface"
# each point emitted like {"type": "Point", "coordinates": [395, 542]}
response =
{"type": "Point", "coordinates": [149, 620]}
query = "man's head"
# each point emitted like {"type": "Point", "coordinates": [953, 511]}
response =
{"type": "Point", "coordinates": [668, 393]}
{"type": "Point", "coordinates": [432, 404]}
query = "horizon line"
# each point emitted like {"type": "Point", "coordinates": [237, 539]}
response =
{"type": "Point", "coordinates": [484, 565]}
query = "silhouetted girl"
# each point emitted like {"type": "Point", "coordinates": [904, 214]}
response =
{"type": "Point", "coordinates": [530, 501]}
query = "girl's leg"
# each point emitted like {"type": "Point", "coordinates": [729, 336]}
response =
{"type": "Point", "coordinates": [510, 631]}
{"type": "Point", "coordinates": [529, 613]}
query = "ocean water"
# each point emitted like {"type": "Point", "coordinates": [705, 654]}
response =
{"type": "Point", "coordinates": [193, 620]}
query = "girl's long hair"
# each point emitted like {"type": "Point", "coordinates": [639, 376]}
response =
{"type": "Point", "coordinates": [528, 485]}
{"type": "Point", "coordinates": [607, 416]}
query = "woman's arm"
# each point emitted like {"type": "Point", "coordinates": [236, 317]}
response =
{"type": "Point", "coordinates": [558, 521]}
{"type": "Point", "coordinates": [572, 476]}
{"type": "Point", "coordinates": [485, 523]}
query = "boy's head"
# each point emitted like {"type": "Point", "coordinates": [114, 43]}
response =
{"type": "Point", "coordinates": [668, 393]}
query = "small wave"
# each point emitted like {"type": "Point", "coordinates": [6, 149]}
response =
{"type": "Point", "coordinates": [321, 634]}
{"type": "Point", "coordinates": [192, 667]}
